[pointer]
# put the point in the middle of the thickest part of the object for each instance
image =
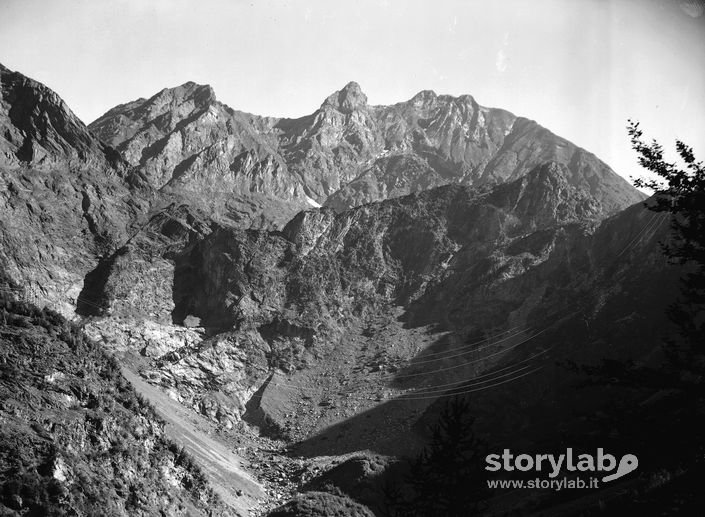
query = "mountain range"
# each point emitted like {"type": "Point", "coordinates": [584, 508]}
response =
{"type": "Point", "coordinates": [347, 152]}
{"type": "Point", "coordinates": [307, 292]}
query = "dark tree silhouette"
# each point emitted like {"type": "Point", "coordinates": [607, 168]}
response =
{"type": "Point", "coordinates": [680, 191]}
{"type": "Point", "coordinates": [448, 477]}
{"type": "Point", "coordinates": [666, 431]}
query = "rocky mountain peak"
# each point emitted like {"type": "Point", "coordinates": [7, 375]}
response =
{"type": "Point", "coordinates": [349, 99]}
{"type": "Point", "coordinates": [38, 128]}
{"type": "Point", "coordinates": [202, 94]}
{"type": "Point", "coordinates": [346, 153]}
{"type": "Point", "coordinates": [132, 127]}
{"type": "Point", "coordinates": [424, 98]}
{"type": "Point", "coordinates": [467, 99]}
{"type": "Point", "coordinates": [545, 196]}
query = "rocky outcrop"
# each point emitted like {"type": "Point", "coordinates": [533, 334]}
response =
{"type": "Point", "coordinates": [148, 338]}
{"type": "Point", "coordinates": [216, 377]}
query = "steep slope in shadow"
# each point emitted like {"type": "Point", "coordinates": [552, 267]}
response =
{"type": "Point", "coordinates": [93, 300]}
{"type": "Point", "coordinates": [323, 292]}
{"type": "Point", "coordinates": [521, 391]}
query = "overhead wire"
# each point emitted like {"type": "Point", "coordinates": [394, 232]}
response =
{"type": "Point", "coordinates": [445, 393]}
{"type": "Point", "coordinates": [651, 226]}
{"type": "Point", "coordinates": [462, 386]}
{"type": "Point", "coordinates": [489, 376]}
{"type": "Point", "coordinates": [643, 231]}
{"type": "Point", "coordinates": [279, 383]}
{"type": "Point", "coordinates": [458, 385]}
{"type": "Point", "coordinates": [522, 328]}
{"type": "Point", "coordinates": [465, 392]}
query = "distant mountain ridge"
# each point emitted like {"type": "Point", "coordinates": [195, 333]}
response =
{"type": "Point", "coordinates": [347, 152]}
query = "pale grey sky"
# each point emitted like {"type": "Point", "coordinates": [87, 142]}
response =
{"type": "Point", "coordinates": [578, 67]}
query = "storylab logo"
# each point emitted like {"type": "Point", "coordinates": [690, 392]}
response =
{"type": "Point", "coordinates": [599, 467]}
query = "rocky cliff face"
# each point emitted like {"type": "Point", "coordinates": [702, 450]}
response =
{"type": "Point", "coordinates": [442, 139]}
{"type": "Point", "coordinates": [182, 132]}
{"type": "Point", "coordinates": [65, 197]}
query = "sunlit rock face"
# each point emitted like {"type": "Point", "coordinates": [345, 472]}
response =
{"type": "Point", "coordinates": [344, 154]}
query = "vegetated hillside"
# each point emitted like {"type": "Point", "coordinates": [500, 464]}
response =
{"type": "Point", "coordinates": [75, 437]}
{"type": "Point", "coordinates": [320, 504]}
{"type": "Point", "coordinates": [344, 154]}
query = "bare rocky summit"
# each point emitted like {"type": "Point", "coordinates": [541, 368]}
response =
{"type": "Point", "coordinates": [347, 152]}
{"type": "Point", "coordinates": [37, 128]}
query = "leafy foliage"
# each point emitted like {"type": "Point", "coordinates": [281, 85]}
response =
{"type": "Point", "coordinates": [680, 191]}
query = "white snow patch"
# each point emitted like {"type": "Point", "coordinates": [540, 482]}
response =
{"type": "Point", "coordinates": [312, 202]}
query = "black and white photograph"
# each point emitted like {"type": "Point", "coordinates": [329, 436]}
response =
{"type": "Point", "coordinates": [324, 258]}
